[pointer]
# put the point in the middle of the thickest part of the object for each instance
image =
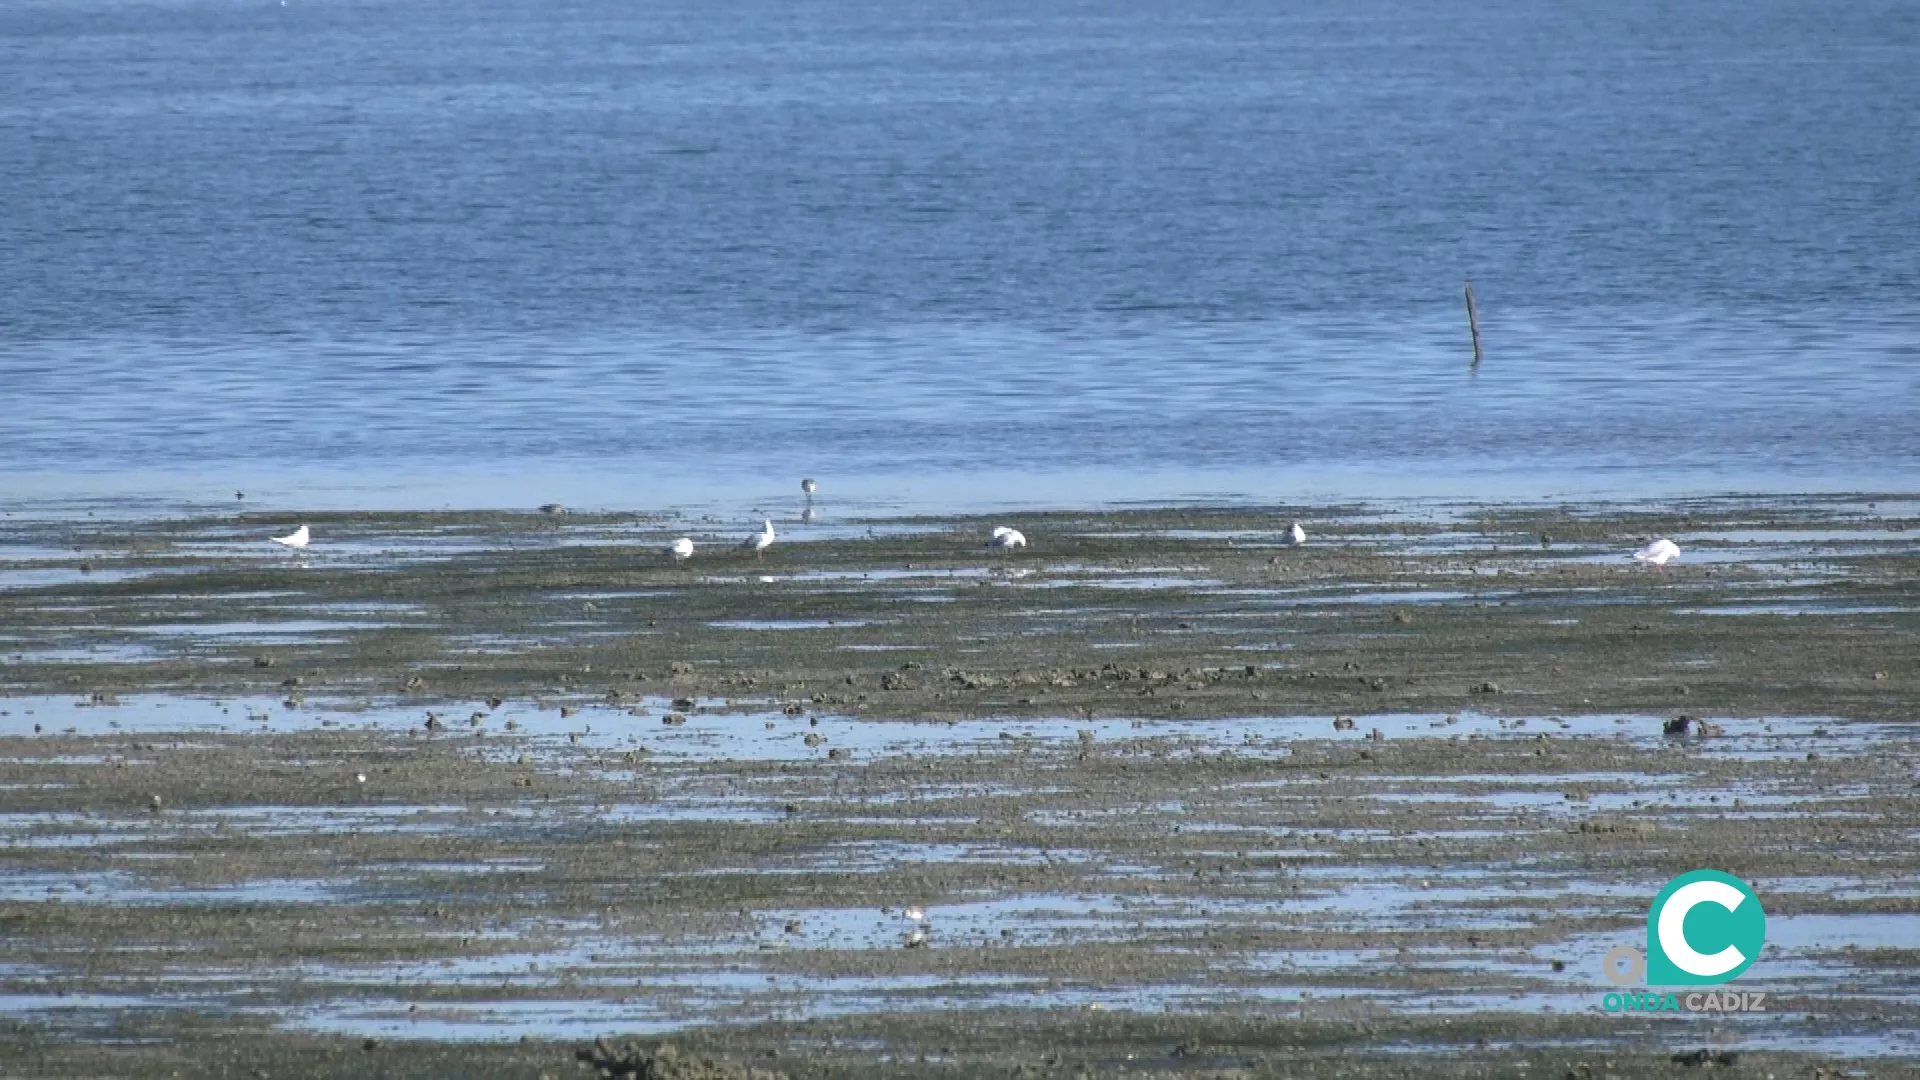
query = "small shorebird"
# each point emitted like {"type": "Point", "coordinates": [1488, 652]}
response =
{"type": "Point", "coordinates": [1659, 553]}
{"type": "Point", "coordinates": [1007, 537]}
{"type": "Point", "coordinates": [807, 485]}
{"type": "Point", "coordinates": [761, 540]}
{"type": "Point", "coordinates": [298, 538]}
{"type": "Point", "coordinates": [1296, 535]}
{"type": "Point", "coordinates": [680, 549]}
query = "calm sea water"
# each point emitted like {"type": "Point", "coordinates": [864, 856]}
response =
{"type": "Point", "coordinates": [492, 252]}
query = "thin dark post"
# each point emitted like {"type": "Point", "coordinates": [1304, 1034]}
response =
{"type": "Point", "coordinates": [1473, 324]}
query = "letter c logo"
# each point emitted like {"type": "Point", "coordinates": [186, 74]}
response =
{"type": "Point", "coordinates": [1673, 935]}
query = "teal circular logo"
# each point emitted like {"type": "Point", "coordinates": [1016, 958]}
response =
{"type": "Point", "coordinates": [1704, 928]}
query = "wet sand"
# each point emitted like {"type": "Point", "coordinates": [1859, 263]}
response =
{"type": "Point", "coordinates": [455, 794]}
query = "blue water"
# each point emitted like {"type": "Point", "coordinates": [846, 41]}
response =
{"type": "Point", "coordinates": [421, 252]}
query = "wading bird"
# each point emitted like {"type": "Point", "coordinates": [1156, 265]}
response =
{"type": "Point", "coordinates": [1659, 553]}
{"type": "Point", "coordinates": [761, 540]}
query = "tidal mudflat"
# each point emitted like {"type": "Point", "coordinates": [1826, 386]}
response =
{"type": "Point", "coordinates": [459, 794]}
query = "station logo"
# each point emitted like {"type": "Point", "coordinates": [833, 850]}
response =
{"type": "Point", "coordinates": [1703, 929]}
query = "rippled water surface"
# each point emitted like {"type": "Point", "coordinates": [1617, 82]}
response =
{"type": "Point", "coordinates": [485, 253]}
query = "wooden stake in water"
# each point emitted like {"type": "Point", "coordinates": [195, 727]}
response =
{"type": "Point", "coordinates": [1473, 324]}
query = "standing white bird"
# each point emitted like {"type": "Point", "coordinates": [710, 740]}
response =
{"type": "Point", "coordinates": [807, 486]}
{"type": "Point", "coordinates": [761, 540]}
{"type": "Point", "coordinates": [1659, 553]}
{"type": "Point", "coordinates": [680, 549]}
{"type": "Point", "coordinates": [1007, 537]}
{"type": "Point", "coordinates": [1296, 535]}
{"type": "Point", "coordinates": [298, 538]}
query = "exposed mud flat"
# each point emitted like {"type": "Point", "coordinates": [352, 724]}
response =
{"type": "Point", "coordinates": [1166, 794]}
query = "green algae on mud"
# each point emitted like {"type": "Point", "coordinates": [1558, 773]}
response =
{"type": "Point", "coordinates": [694, 800]}
{"type": "Point", "coordinates": [1144, 612]}
{"type": "Point", "coordinates": [997, 1044]}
